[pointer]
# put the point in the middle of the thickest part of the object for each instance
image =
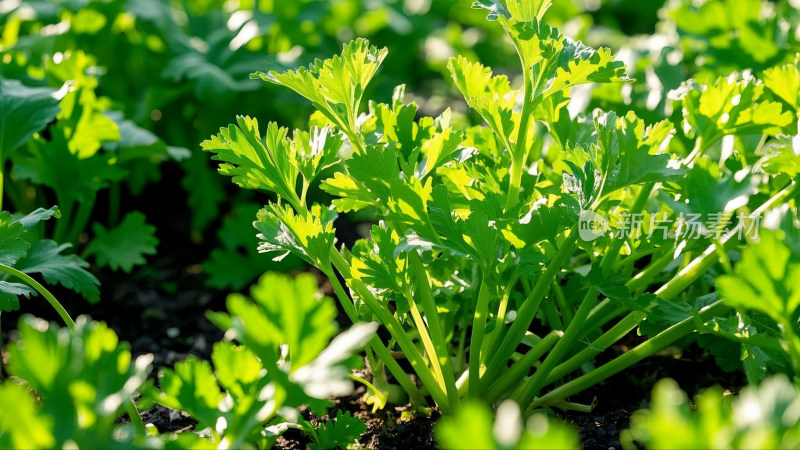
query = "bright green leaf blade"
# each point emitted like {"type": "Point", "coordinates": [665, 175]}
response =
{"type": "Point", "coordinates": [191, 387]}
{"type": "Point", "coordinates": [336, 85]}
{"type": "Point", "coordinates": [784, 81]}
{"type": "Point", "coordinates": [23, 112]}
{"type": "Point", "coordinates": [26, 427]}
{"type": "Point", "coordinates": [84, 378]}
{"type": "Point", "coordinates": [256, 162]}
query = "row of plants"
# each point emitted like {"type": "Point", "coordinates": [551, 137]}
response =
{"type": "Point", "coordinates": [483, 279]}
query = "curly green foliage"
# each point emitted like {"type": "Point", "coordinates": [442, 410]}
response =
{"type": "Point", "coordinates": [81, 379]}
{"type": "Point", "coordinates": [763, 416]}
{"type": "Point", "coordinates": [286, 359]}
{"type": "Point", "coordinates": [473, 427]}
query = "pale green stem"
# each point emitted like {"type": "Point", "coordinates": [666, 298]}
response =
{"type": "Point", "coordinates": [500, 319]}
{"type": "Point", "coordinates": [375, 343]}
{"type": "Point", "coordinates": [41, 290]}
{"type": "Point", "coordinates": [628, 359]}
{"type": "Point", "coordinates": [442, 352]}
{"type": "Point", "coordinates": [668, 291]}
{"type": "Point", "coordinates": [574, 330]}
{"type": "Point", "coordinates": [396, 329]}
{"type": "Point", "coordinates": [82, 217]}
{"type": "Point", "coordinates": [527, 312]}
{"type": "Point", "coordinates": [476, 340]}
{"type": "Point", "coordinates": [427, 342]}
{"type": "Point", "coordinates": [520, 151]}
{"type": "Point", "coordinates": [519, 369]}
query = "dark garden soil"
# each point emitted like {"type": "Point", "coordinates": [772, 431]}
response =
{"type": "Point", "coordinates": [159, 309]}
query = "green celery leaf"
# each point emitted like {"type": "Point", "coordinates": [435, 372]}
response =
{"type": "Point", "coordinates": [124, 246]}
{"type": "Point", "coordinates": [633, 152]}
{"type": "Point", "coordinates": [395, 125]}
{"type": "Point", "coordinates": [444, 221]}
{"type": "Point", "coordinates": [519, 10]}
{"type": "Point", "coordinates": [737, 343]}
{"type": "Point", "coordinates": [282, 311]}
{"type": "Point", "coordinates": [236, 367]}
{"type": "Point", "coordinates": [782, 155]}
{"type": "Point", "coordinates": [784, 82]}
{"type": "Point", "coordinates": [27, 427]}
{"type": "Point", "coordinates": [556, 63]}
{"type": "Point", "coordinates": [783, 161]}
{"type": "Point", "coordinates": [765, 279]}
{"type": "Point", "coordinates": [471, 428]}
{"type": "Point", "coordinates": [481, 231]}
{"type": "Point", "coordinates": [542, 222]}
{"type": "Point", "coordinates": [45, 258]}
{"type": "Point", "coordinates": [10, 293]}
{"type": "Point", "coordinates": [760, 416]}
{"type": "Point", "coordinates": [327, 376]}
{"type": "Point", "coordinates": [314, 151]}
{"type": "Point", "coordinates": [731, 34]}
{"type": "Point", "coordinates": [238, 263]}
{"type": "Point", "coordinates": [708, 190]}
{"type": "Point", "coordinates": [492, 97]}
{"type": "Point", "coordinates": [663, 315]}
{"type": "Point", "coordinates": [367, 181]}
{"type": "Point", "coordinates": [334, 86]}
{"type": "Point", "coordinates": [377, 264]}
{"type": "Point", "coordinates": [287, 325]}
{"type": "Point", "coordinates": [83, 377]}
{"type": "Point", "coordinates": [192, 387]}
{"type": "Point", "coordinates": [729, 105]}
{"type": "Point", "coordinates": [256, 162]}
{"type": "Point", "coordinates": [311, 237]}
{"type": "Point", "coordinates": [578, 64]}
{"type": "Point", "coordinates": [626, 153]}
{"type": "Point", "coordinates": [134, 141]}
{"type": "Point", "coordinates": [12, 245]}
{"type": "Point", "coordinates": [341, 432]}
{"type": "Point", "coordinates": [39, 215]}
{"type": "Point", "coordinates": [210, 81]}
{"type": "Point", "coordinates": [441, 147]}
{"type": "Point", "coordinates": [474, 427]}
{"type": "Point", "coordinates": [74, 178]}
{"type": "Point", "coordinates": [84, 123]}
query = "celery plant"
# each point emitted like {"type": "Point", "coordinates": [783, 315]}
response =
{"type": "Point", "coordinates": [479, 267]}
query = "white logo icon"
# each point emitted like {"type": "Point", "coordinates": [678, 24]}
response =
{"type": "Point", "coordinates": [591, 225]}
